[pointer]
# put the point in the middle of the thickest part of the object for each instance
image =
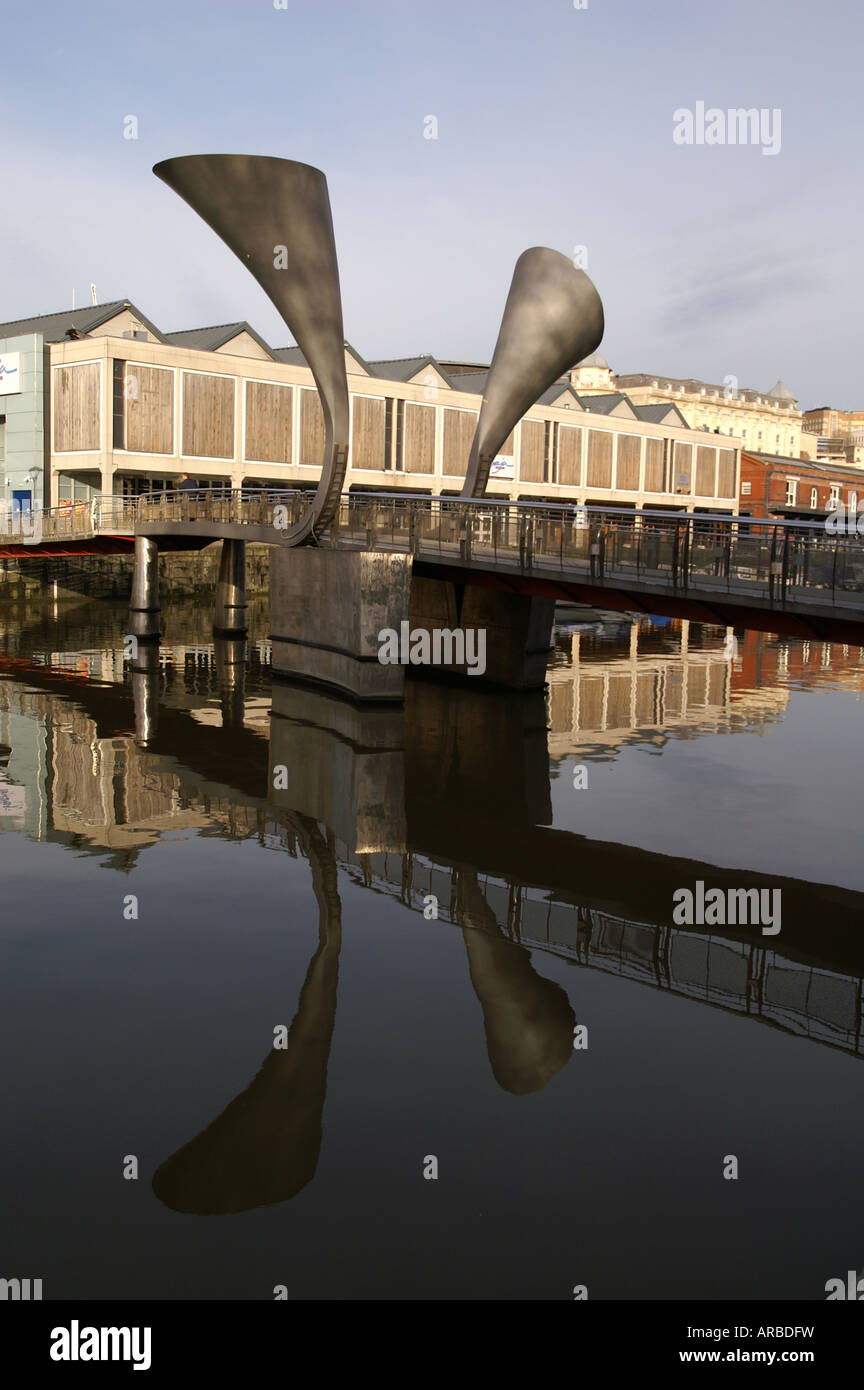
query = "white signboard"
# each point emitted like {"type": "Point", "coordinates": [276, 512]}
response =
{"type": "Point", "coordinates": [502, 467]}
{"type": "Point", "coordinates": [10, 373]}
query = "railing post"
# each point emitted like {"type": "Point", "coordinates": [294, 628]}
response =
{"type": "Point", "coordinates": [785, 571]}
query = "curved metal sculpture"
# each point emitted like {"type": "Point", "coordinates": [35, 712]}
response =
{"type": "Point", "coordinates": [275, 216]}
{"type": "Point", "coordinates": [553, 318]}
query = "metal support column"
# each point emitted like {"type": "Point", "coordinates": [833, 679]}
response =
{"type": "Point", "coordinates": [230, 614]}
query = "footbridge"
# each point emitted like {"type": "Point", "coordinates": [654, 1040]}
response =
{"type": "Point", "coordinates": [438, 562]}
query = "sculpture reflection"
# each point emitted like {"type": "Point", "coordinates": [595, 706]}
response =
{"type": "Point", "coordinates": [264, 1146]}
{"type": "Point", "coordinates": [528, 1019]}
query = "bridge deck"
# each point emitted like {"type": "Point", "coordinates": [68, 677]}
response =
{"type": "Point", "coordinates": [731, 568]}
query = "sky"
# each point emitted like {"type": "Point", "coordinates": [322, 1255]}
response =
{"type": "Point", "coordinates": [555, 126]}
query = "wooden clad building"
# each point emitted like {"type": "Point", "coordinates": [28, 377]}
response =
{"type": "Point", "coordinates": [131, 408]}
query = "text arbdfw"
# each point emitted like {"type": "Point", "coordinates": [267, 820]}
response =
{"type": "Point", "coordinates": [440, 646]}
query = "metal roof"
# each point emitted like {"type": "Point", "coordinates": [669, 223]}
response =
{"type": "Point", "coordinates": [214, 337]}
{"type": "Point", "coordinates": [54, 328]}
{"type": "Point", "coordinates": [403, 368]}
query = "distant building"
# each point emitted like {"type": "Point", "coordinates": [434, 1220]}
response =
{"type": "Point", "coordinates": [106, 402]}
{"type": "Point", "coordinates": [832, 424]}
{"type": "Point", "coordinates": [839, 434]}
{"type": "Point", "coordinates": [797, 489]}
{"type": "Point", "coordinates": [593, 374]}
{"type": "Point", "coordinates": [766, 420]}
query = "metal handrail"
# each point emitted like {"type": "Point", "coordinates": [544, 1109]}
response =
{"type": "Point", "coordinates": [770, 558]}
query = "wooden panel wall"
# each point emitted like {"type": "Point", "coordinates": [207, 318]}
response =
{"type": "Point", "coordinates": [368, 429]}
{"type": "Point", "coordinates": [706, 463]}
{"type": "Point", "coordinates": [569, 455]}
{"type": "Point", "coordinates": [312, 433]}
{"type": "Point", "coordinates": [532, 435]}
{"type": "Point", "coordinates": [725, 472]}
{"type": "Point", "coordinates": [269, 417]}
{"type": "Point", "coordinates": [599, 459]}
{"type": "Point", "coordinates": [149, 396]}
{"type": "Point", "coordinates": [654, 450]}
{"type": "Point", "coordinates": [419, 438]}
{"type": "Point", "coordinates": [459, 427]}
{"type": "Point", "coordinates": [682, 468]}
{"type": "Point", "coordinates": [627, 468]}
{"type": "Point", "coordinates": [208, 416]}
{"type": "Point", "coordinates": [76, 407]}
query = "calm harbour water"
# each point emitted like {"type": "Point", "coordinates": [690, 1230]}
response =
{"type": "Point", "coordinates": [199, 860]}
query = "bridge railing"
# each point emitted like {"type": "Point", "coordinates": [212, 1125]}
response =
{"type": "Point", "coordinates": [68, 521]}
{"type": "Point", "coordinates": [759, 556]}
{"type": "Point", "coordinates": [276, 507]}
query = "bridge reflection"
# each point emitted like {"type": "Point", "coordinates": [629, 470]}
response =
{"type": "Point", "coordinates": [418, 801]}
{"type": "Point", "coordinates": [418, 804]}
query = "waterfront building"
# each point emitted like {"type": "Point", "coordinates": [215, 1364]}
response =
{"type": "Point", "coordinates": [119, 406]}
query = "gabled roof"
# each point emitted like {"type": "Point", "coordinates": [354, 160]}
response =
{"type": "Point", "coordinates": [54, 328]}
{"type": "Point", "coordinates": [295, 358]}
{"type": "Point", "coordinates": [554, 393]}
{"type": "Point", "coordinates": [609, 403]}
{"type": "Point", "coordinates": [361, 361]}
{"type": "Point", "coordinates": [404, 368]}
{"type": "Point", "coordinates": [659, 414]}
{"type": "Point", "coordinates": [451, 368]}
{"type": "Point", "coordinates": [210, 339]}
{"type": "Point", "coordinates": [475, 382]}
{"type": "Point", "coordinates": [292, 355]}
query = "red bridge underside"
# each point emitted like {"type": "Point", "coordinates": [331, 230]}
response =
{"type": "Point", "coordinates": [96, 545]}
{"type": "Point", "coordinates": [785, 624]}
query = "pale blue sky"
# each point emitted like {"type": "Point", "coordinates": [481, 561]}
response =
{"type": "Point", "coordinates": [554, 128]}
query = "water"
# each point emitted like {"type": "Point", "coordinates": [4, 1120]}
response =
{"type": "Point", "coordinates": [197, 862]}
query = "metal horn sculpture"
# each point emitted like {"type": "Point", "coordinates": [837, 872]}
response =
{"type": "Point", "coordinates": [553, 318]}
{"type": "Point", "coordinates": [275, 216]}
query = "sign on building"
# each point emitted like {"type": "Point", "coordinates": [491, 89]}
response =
{"type": "Point", "coordinates": [10, 373]}
{"type": "Point", "coordinates": [502, 467]}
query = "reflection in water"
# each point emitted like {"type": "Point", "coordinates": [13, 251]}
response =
{"type": "Point", "coordinates": [448, 796]}
{"type": "Point", "coordinates": [264, 1146]}
{"type": "Point", "coordinates": [528, 1019]}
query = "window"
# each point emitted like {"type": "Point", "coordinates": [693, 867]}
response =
{"type": "Point", "coordinates": [814, 497]}
{"type": "Point", "coordinates": [834, 495]}
{"type": "Point", "coordinates": [791, 491]}
{"type": "Point", "coordinates": [746, 489]}
{"type": "Point", "coordinates": [853, 501]}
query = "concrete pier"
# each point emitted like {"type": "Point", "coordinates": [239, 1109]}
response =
{"type": "Point", "coordinates": [328, 609]}
{"type": "Point", "coordinates": [331, 609]}
{"type": "Point", "coordinates": [518, 629]}
{"type": "Point", "coordinates": [144, 605]}
{"type": "Point", "coordinates": [229, 616]}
